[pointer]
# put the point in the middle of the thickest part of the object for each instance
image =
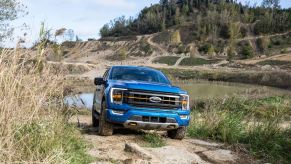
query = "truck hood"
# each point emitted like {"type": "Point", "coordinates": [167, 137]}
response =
{"type": "Point", "coordinates": [146, 86]}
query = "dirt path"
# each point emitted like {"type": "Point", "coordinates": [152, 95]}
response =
{"type": "Point", "coordinates": [180, 60]}
{"type": "Point", "coordinates": [150, 41]}
{"type": "Point", "coordinates": [281, 57]}
{"type": "Point", "coordinates": [261, 36]}
{"type": "Point", "coordinates": [127, 146]}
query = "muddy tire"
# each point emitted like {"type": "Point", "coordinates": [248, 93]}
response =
{"type": "Point", "coordinates": [178, 134]}
{"type": "Point", "coordinates": [105, 128]}
{"type": "Point", "coordinates": [95, 121]}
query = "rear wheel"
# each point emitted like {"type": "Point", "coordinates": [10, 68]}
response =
{"type": "Point", "coordinates": [105, 128]}
{"type": "Point", "coordinates": [95, 121]}
{"type": "Point", "coordinates": [178, 134]}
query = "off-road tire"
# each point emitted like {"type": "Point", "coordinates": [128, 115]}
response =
{"type": "Point", "coordinates": [105, 128]}
{"type": "Point", "coordinates": [95, 121]}
{"type": "Point", "coordinates": [178, 134]}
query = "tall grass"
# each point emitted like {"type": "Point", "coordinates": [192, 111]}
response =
{"type": "Point", "coordinates": [33, 128]}
{"type": "Point", "coordinates": [256, 123]}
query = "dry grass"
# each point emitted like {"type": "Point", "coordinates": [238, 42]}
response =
{"type": "Point", "coordinates": [32, 125]}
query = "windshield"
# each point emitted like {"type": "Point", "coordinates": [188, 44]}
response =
{"type": "Point", "coordinates": [138, 74]}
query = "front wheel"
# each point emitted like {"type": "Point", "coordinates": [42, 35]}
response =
{"type": "Point", "coordinates": [95, 121]}
{"type": "Point", "coordinates": [178, 134]}
{"type": "Point", "coordinates": [105, 128]}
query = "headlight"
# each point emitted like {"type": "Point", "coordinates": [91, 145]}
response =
{"type": "Point", "coordinates": [117, 95]}
{"type": "Point", "coordinates": [185, 102]}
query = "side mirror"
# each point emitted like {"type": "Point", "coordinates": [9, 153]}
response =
{"type": "Point", "coordinates": [98, 81]}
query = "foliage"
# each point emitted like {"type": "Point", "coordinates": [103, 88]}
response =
{"type": "Point", "coordinates": [176, 37]}
{"type": "Point", "coordinates": [37, 131]}
{"type": "Point", "coordinates": [196, 62]}
{"type": "Point", "coordinates": [154, 140]}
{"type": "Point", "coordinates": [230, 54]}
{"type": "Point", "coordinates": [218, 17]}
{"type": "Point", "coordinates": [121, 54]}
{"type": "Point", "coordinates": [263, 43]}
{"type": "Point", "coordinates": [169, 60]}
{"type": "Point", "coordinates": [252, 122]}
{"type": "Point", "coordinates": [247, 52]}
{"type": "Point", "coordinates": [9, 11]}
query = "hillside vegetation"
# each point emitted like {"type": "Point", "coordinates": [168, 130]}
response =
{"type": "Point", "coordinates": [214, 26]}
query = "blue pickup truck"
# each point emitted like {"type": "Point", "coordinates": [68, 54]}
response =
{"type": "Point", "coordinates": [139, 98]}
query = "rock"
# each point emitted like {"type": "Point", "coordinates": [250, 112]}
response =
{"type": "Point", "coordinates": [266, 67]}
{"type": "Point", "coordinates": [220, 156]}
{"type": "Point", "coordinates": [198, 149]}
{"type": "Point", "coordinates": [139, 151]}
{"type": "Point", "coordinates": [204, 143]}
{"type": "Point", "coordinates": [172, 154]}
{"type": "Point", "coordinates": [136, 161]}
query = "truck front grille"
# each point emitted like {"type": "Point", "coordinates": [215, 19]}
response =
{"type": "Point", "coordinates": [144, 99]}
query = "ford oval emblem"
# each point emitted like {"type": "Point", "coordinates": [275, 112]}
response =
{"type": "Point", "coordinates": [155, 99]}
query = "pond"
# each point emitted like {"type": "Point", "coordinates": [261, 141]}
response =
{"type": "Point", "coordinates": [198, 90]}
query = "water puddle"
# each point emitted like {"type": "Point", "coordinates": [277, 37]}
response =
{"type": "Point", "coordinates": [83, 100]}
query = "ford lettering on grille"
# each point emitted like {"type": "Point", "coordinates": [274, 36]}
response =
{"type": "Point", "coordinates": [155, 99]}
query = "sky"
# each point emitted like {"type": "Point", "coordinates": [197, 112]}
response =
{"type": "Point", "coordinates": [85, 17]}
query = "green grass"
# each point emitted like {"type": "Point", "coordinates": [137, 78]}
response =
{"type": "Point", "coordinates": [154, 140]}
{"type": "Point", "coordinates": [254, 124]}
{"type": "Point", "coordinates": [169, 60]}
{"type": "Point", "coordinates": [40, 138]}
{"type": "Point", "coordinates": [274, 62]}
{"type": "Point", "coordinates": [196, 62]}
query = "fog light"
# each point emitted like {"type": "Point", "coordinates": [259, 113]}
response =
{"type": "Point", "coordinates": [118, 112]}
{"type": "Point", "coordinates": [183, 116]}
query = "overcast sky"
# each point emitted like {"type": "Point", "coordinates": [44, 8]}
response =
{"type": "Point", "coordinates": [85, 17]}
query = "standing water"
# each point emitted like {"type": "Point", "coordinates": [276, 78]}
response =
{"type": "Point", "coordinates": [198, 90]}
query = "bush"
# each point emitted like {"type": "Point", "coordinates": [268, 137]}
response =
{"type": "Point", "coordinates": [263, 43]}
{"type": "Point", "coordinates": [225, 31]}
{"type": "Point", "coordinates": [154, 140]}
{"type": "Point", "coordinates": [247, 52]}
{"type": "Point", "coordinates": [176, 37]}
{"type": "Point", "coordinates": [169, 60]}
{"type": "Point", "coordinates": [205, 48]}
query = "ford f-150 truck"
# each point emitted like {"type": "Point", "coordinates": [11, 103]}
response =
{"type": "Point", "coordinates": [139, 98]}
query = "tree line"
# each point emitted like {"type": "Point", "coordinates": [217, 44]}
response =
{"type": "Point", "coordinates": [213, 18]}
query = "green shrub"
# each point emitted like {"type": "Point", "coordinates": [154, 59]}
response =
{"type": "Point", "coordinates": [205, 48]}
{"type": "Point", "coordinates": [154, 140]}
{"type": "Point", "coordinates": [121, 54]}
{"type": "Point", "coordinates": [247, 52]}
{"type": "Point", "coordinates": [169, 60]}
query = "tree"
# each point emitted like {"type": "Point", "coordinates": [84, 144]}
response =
{"type": "Point", "coordinates": [273, 4]}
{"type": "Point", "coordinates": [9, 11]}
{"type": "Point", "coordinates": [105, 31]}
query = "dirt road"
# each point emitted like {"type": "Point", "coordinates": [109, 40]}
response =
{"type": "Point", "coordinates": [127, 146]}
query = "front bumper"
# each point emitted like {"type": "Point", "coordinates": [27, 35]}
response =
{"type": "Point", "coordinates": [177, 118]}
